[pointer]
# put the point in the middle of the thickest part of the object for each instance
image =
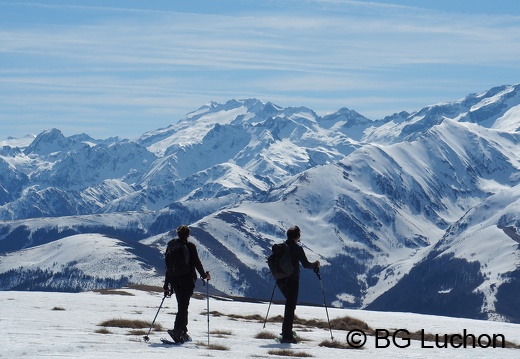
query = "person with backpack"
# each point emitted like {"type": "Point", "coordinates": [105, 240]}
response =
{"type": "Point", "coordinates": [290, 285]}
{"type": "Point", "coordinates": [182, 259]}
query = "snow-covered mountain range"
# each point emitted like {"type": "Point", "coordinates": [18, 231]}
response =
{"type": "Point", "coordinates": [414, 212]}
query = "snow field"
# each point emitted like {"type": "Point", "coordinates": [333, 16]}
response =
{"type": "Point", "coordinates": [67, 325]}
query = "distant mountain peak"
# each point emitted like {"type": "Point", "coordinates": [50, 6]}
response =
{"type": "Point", "coordinates": [49, 141]}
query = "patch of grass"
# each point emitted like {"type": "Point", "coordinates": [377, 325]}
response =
{"type": "Point", "coordinates": [279, 319]}
{"type": "Point", "coordinates": [124, 323]}
{"type": "Point", "coordinates": [349, 323]}
{"type": "Point", "coordinates": [265, 335]}
{"type": "Point", "coordinates": [213, 346]}
{"type": "Point", "coordinates": [308, 322]}
{"type": "Point", "coordinates": [139, 332]}
{"type": "Point", "coordinates": [112, 291]}
{"type": "Point", "coordinates": [511, 345]}
{"type": "Point", "coordinates": [343, 323]}
{"type": "Point", "coordinates": [289, 353]}
{"type": "Point", "coordinates": [252, 317]}
{"type": "Point", "coordinates": [157, 327]}
{"type": "Point", "coordinates": [129, 323]}
{"type": "Point", "coordinates": [221, 333]}
{"type": "Point", "coordinates": [336, 345]}
{"type": "Point", "coordinates": [214, 313]}
{"type": "Point", "coordinates": [58, 308]}
{"type": "Point", "coordinates": [218, 347]}
{"type": "Point", "coordinates": [103, 331]}
{"type": "Point", "coordinates": [146, 288]}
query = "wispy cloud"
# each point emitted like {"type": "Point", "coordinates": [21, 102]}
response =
{"type": "Point", "coordinates": [323, 54]}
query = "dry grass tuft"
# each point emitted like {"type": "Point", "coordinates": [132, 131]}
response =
{"type": "Point", "coordinates": [252, 317]}
{"type": "Point", "coordinates": [213, 346]}
{"type": "Point", "coordinates": [213, 313]}
{"type": "Point", "coordinates": [336, 345]}
{"type": "Point", "coordinates": [146, 288]}
{"type": "Point", "coordinates": [265, 335]}
{"type": "Point", "coordinates": [58, 308]}
{"type": "Point", "coordinates": [349, 323]}
{"type": "Point", "coordinates": [221, 333]}
{"type": "Point", "coordinates": [129, 323]}
{"type": "Point", "coordinates": [139, 332]}
{"type": "Point", "coordinates": [289, 353]}
{"type": "Point", "coordinates": [218, 347]}
{"type": "Point", "coordinates": [103, 331]}
{"type": "Point", "coordinates": [279, 319]}
{"type": "Point", "coordinates": [112, 291]}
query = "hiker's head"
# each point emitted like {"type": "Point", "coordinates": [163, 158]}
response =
{"type": "Point", "coordinates": [183, 232]}
{"type": "Point", "coordinates": [293, 233]}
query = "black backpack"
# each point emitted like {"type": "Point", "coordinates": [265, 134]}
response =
{"type": "Point", "coordinates": [177, 258]}
{"type": "Point", "coordinates": [280, 261]}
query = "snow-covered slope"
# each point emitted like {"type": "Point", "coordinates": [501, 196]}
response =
{"type": "Point", "coordinates": [55, 265]}
{"type": "Point", "coordinates": [497, 108]}
{"type": "Point", "coordinates": [480, 261]}
{"type": "Point", "coordinates": [413, 203]}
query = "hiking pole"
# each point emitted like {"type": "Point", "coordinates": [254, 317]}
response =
{"type": "Point", "coordinates": [146, 338]}
{"type": "Point", "coordinates": [317, 271]}
{"type": "Point", "coordinates": [272, 295]}
{"type": "Point", "coordinates": [206, 283]}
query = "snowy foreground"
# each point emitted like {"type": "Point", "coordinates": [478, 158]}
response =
{"type": "Point", "coordinates": [69, 325]}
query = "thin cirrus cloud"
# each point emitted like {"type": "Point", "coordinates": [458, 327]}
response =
{"type": "Point", "coordinates": [103, 66]}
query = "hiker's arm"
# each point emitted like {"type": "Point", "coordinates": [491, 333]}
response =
{"type": "Point", "coordinates": [194, 255]}
{"type": "Point", "coordinates": [305, 262]}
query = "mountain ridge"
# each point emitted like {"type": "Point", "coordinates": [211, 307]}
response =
{"type": "Point", "coordinates": [375, 199]}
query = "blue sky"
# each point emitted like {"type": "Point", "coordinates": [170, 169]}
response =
{"type": "Point", "coordinates": [122, 68]}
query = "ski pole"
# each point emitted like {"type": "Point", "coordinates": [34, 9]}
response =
{"type": "Point", "coordinates": [146, 338]}
{"type": "Point", "coordinates": [272, 295]}
{"type": "Point", "coordinates": [317, 271]}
